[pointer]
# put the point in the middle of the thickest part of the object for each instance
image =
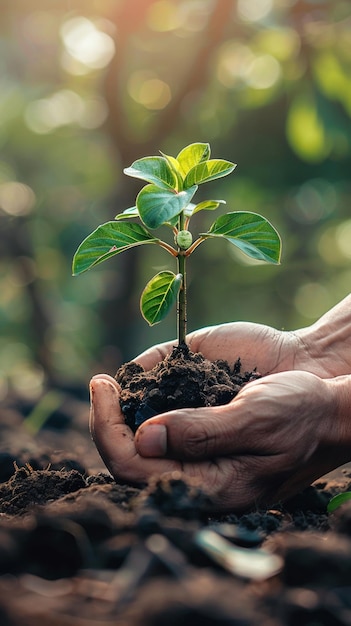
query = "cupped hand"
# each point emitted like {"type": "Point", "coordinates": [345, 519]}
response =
{"type": "Point", "coordinates": [278, 435]}
{"type": "Point", "coordinates": [259, 347]}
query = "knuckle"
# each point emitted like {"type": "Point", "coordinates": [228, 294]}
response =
{"type": "Point", "coordinates": [238, 490]}
{"type": "Point", "coordinates": [195, 442]}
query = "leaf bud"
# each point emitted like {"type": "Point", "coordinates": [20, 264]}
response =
{"type": "Point", "coordinates": [184, 239]}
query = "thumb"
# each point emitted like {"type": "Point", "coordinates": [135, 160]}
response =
{"type": "Point", "coordinates": [114, 439]}
{"type": "Point", "coordinates": [154, 355]}
{"type": "Point", "coordinates": [192, 434]}
{"type": "Point", "coordinates": [107, 423]}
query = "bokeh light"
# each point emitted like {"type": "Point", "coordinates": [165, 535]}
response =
{"type": "Point", "coordinates": [234, 63]}
{"type": "Point", "coordinates": [85, 43]}
{"type": "Point", "coordinates": [343, 238]}
{"type": "Point", "coordinates": [305, 129]}
{"type": "Point", "coordinates": [62, 108]}
{"type": "Point", "coordinates": [16, 199]}
{"type": "Point", "coordinates": [313, 201]}
{"type": "Point", "coordinates": [312, 300]}
{"type": "Point", "coordinates": [163, 16]}
{"type": "Point", "coordinates": [254, 10]}
{"type": "Point", "coordinates": [149, 91]}
{"type": "Point", "coordinates": [263, 72]}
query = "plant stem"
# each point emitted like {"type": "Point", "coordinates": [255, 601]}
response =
{"type": "Point", "coordinates": [167, 247]}
{"type": "Point", "coordinates": [194, 245]}
{"type": "Point", "coordinates": [182, 304]}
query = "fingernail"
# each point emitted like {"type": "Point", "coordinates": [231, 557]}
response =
{"type": "Point", "coordinates": [91, 412]}
{"type": "Point", "coordinates": [151, 440]}
{"type": "Point", "coordinates": [94, 389]}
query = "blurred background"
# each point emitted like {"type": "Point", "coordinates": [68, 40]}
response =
{"type": "Point", "coordinates": [88, 86]}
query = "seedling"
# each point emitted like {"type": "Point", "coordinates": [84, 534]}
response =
{"type": "Point", "coordinates": [167, 200]}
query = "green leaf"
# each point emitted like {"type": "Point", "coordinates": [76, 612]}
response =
{"type": "Point", "coordinates": [173, 222]}
{"type": "Point", "coordinates": [159, 295]}
{"type": "Point", "coordinates": [192, 155]}
{"type": "Point", "coordinates": [128, 213]}
{"type": "Point", "coordinates": [158, 206]}
{"type": "Point", "coordinates": [154, 170]}
{"type": "Point", "coordinates": [251, 233]}
{"type": "Point", "coordinates": [175, 167]}
{"type": "Point", "coordinates": [338, 500]}
{"type": "Point", "coordinates": [191, 209]}
{"type": "Point", "coordinates": [207, 205]}
{"type": "Point", "coordinates": [106, 241]}
{"type": "Point", "coordinates": [209, 170]}
{"type": "Point", "coordinates": [188, 212]}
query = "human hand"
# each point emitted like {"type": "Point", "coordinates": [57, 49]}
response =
{"type": "Point", "coordinates": [279, 434]}
{"type": "Point", "coordinates": [324, 348]}
{"type": "Point", "coordinates": [258, 346]}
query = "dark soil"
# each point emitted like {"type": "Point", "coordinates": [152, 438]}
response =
{"type": "Point", "coordinates": [182, 379]}
{"type": "Point", "coordinates": [79, 549]}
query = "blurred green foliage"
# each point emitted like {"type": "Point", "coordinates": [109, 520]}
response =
{"type": "Point", "coordinates": [88, 86]}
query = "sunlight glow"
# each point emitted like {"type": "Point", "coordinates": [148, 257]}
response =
{"type": "Point", "coordinates": [16, 198]}
{"type": "Point", "coordinates": [334, 245]}
{"type": "Point", "coordinates": [234, 62]}
{"type": "Point", "coordinates": [62, 108]}
{"type": "Point", "coordinates": [305, 129]}
{"type": "Point", "coordinates": [86, 43]}
{"type": "Point", "coordinates": [182, 17]}
{"type": "Point", "coordinates": [148, 90]}
{"type": "Point", "coordinates": [162, 16]}
{"type": "Point", "coordinates": [343, 238]}
{"type": "Point", "coordinates": [27, 379]}
{"type": "Point", "coordinates": [254, 10]}
{"type": "Point", "coordinates": [282, 43]}
{"type": "Point", "coordinates": [193, 16]}
{"type": "Point", "coordinates": [263, 72]}
{"type": "Point", "coordinates": [238, 64]}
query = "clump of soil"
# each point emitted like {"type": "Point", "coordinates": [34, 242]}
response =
{"type": "Point", "coordinates": [28, 486]}
{"type": "Point", "coordinates": [183, 379]}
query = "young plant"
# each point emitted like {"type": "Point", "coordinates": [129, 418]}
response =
{"type": "Point", "coordinates": [167, 200]}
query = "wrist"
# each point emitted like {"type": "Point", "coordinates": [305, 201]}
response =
{"type": "Point", "coordinates": [339, 422]}
{"type": "Point", "coordinates": [324, 348]}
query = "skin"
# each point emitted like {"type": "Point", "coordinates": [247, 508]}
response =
{"type": "Point", "coordinates": [277, 436]}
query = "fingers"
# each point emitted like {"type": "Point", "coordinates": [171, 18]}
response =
{"type": "Point", "coordinates": [114, 440]}
{"type": "Point", "coordinates": [263, 446]}
{"type": "Point", "coordinates": [230, 341]}
{"type": "Point", "coordinates": [115, 443]}
{"type": "Point", "coordinates": [257, 345]}
{"type": "Point", "coordinates": [241, 427]}
{"type": "Point", "coordinates": [154, 355]}
{"type": "Point", "coordinates": [279, 414]}
{"type": "Point", "coordinates": [189, 434]}
{"type": "Point", "coordinates": [207, 433]}
{"type": "Point", "coordinates": [215, 342]}
{"type": "Point", "coordinates": [107, 424]}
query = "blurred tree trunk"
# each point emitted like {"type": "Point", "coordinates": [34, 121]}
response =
{"type": "Point", "coordinates": [15, 243]}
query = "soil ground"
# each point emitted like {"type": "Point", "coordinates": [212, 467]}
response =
{"type": "Point", "coordinates": [78, 549]}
